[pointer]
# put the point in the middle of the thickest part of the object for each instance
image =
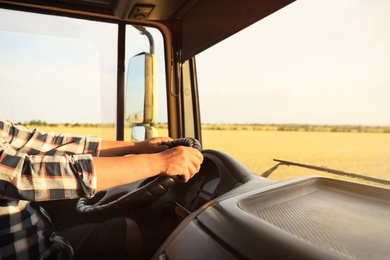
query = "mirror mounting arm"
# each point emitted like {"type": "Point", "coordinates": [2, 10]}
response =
{"type": "Point", "coordinates": [143, 31]}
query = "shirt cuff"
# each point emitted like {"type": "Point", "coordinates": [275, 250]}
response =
{"type": "Point", "coordinates": [92, 145]}
{"type": "Point", "coordinates": [86, 174]}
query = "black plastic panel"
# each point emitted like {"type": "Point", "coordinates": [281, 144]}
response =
{"type": "Point", "coordinates": [348, 219]}
{"type": "Point", "coordinates": [194, 243]}
{"type": "Point", "coordinates": [304, 218]}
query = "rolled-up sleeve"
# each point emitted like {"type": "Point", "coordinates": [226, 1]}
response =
{"type": "Point", "coordinates": [38, 166]}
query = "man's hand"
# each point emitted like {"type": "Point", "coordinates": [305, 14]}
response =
{"type": "Point", "coordinates": [181, 160]}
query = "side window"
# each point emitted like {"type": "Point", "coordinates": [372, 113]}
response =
{"type": "Point", "coordinates": [152, 41]}
{"type": "Point", "coordinates": [58, 72]}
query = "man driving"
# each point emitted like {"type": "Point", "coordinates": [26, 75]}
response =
{"type": "Point", "coordinates": [36, 166]}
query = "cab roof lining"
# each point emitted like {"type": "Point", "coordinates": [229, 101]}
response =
{"type": "Point", "coordinates": [199, 23]}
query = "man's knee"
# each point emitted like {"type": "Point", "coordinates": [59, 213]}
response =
{"type": "Point", "coordinates": [134, 239]}
{"type": "Point", "coordinates": [100, 240]}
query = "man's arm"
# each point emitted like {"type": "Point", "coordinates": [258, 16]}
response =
{"type": "Point", "coordinates": [114, 171]}
{"type": "Point", "coordinates": [120, 148]}
{"type": "Point", "coordinates": [61, 171]}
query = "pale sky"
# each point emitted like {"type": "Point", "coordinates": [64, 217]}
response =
{"type": "Point", "coordinates": [314, 62]}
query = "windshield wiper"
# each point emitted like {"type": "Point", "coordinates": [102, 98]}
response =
{"type": "Point", "coordinates": [323, 169]}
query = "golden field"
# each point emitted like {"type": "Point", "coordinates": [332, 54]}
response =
{"type": "Point", "coordinates": [362, 153]}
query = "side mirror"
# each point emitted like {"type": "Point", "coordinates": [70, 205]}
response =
{"type": "Point", "coordinates": [140, 102]}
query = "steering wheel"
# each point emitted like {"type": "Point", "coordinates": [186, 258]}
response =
{"type": "Point", "coordinates": [121, 199]}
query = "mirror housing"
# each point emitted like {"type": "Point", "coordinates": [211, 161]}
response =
{"type": "Point", "coordinates": [141, 96]}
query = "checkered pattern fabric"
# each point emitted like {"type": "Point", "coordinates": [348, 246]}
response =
{"type": "Point", "coordinates": [37, 166]}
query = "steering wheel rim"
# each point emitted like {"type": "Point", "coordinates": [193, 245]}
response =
{"type": "Point", "coordinates": [116, 201]}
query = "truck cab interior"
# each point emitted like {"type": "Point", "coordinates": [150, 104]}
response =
{"type": "Point", "coordinates": [226, 211]}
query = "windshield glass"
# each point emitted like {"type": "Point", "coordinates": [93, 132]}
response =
{"type": "Point", "coordinates": [309, 84]}
{"type": "Point", "coordinates": [56, 70]}
{"type": "Point", "coordinates": [60, 74]}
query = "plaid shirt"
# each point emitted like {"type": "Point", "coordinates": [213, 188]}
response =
{"type": "Point", "coordinates": [37, 166]}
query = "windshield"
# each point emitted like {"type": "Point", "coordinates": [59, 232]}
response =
{"type": "Point", "coordinates": [56, 70]}
{"type": "Point", "coordinates": [309, 84]}
{"type": "Point", "coordinates": [60, 74]}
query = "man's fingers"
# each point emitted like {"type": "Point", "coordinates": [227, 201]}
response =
{"type": "Point", "coordinates": [194, 168]}
{"type": "Point", "coordinates": [182, 160]}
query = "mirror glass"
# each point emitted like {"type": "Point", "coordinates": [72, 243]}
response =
{"type": "Point", "coordinates": [140, 90]}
